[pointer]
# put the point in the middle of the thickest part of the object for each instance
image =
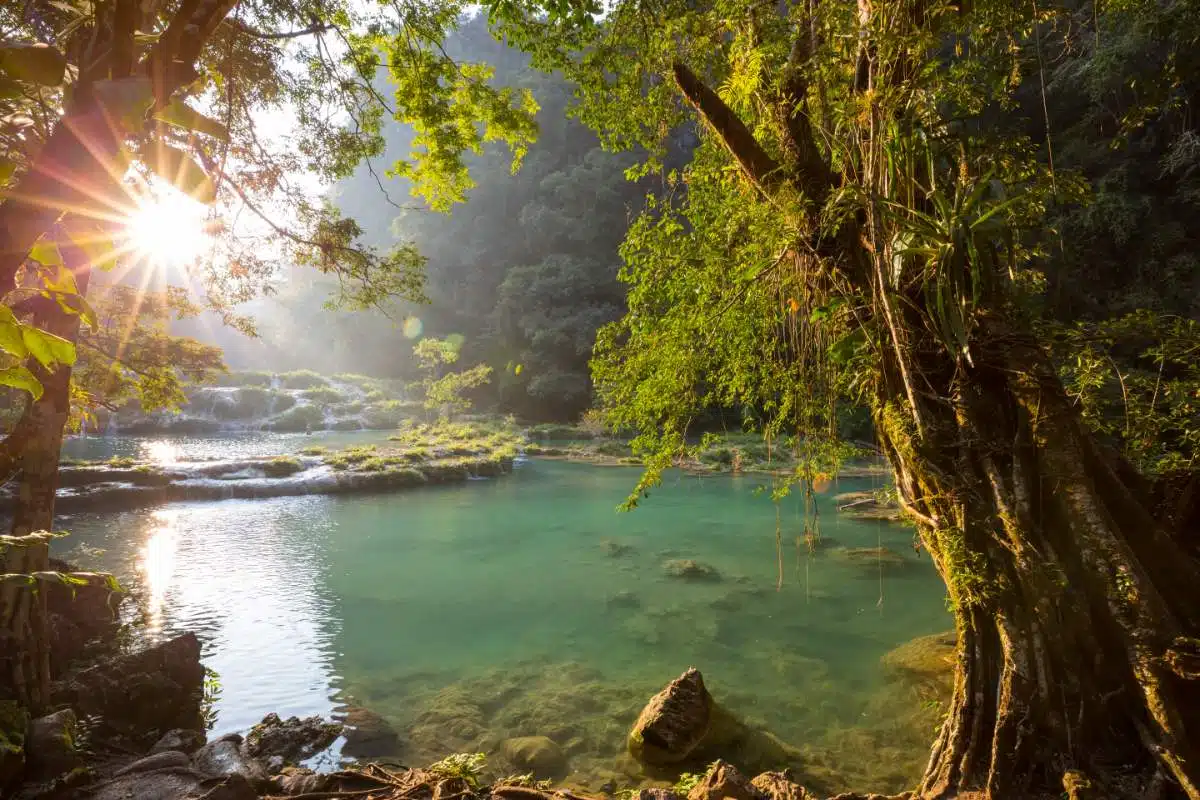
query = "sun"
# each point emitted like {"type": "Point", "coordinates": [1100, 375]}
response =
{"type": "Point", "coordinates": [168, 230]}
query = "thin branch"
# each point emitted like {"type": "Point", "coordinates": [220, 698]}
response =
{"type": "Point", "coordinates": [314, 29]}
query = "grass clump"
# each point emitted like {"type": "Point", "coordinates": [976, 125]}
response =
{"type": "Point", "coordinates": [302, 379]}
{"type": "Point", "coordinates": [467, 766]}
{"type": "Point", "coordinates": [281, 466]}
{"type": "Point", "coordinates": [351, 456]}
{"type": "Point", "coordinates": [121, 462]}
{"type": "Point", "coordinates": [314, 450]}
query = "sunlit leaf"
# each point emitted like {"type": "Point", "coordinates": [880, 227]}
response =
{"type": "Point", "coordinates": [176, 166]}
{"type": "Point", "coordinates": [11, 340]}
{"type": "Point", "coordinates": [46, 253]}
{"type": "Point", "coordinates": [75, 303]}
{"type": "Point", "coordinates": [37, 63]}
{"type": "Point", "coordinates": [183, 116]}
{"type": "Point", "coordinates": [47, 348]}
{"type": "Point", "coordinates": [19, 377]}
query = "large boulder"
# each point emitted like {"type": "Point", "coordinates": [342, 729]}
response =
{"type": "Point", "coordinates": [926, 662]}
{"type": "Point", "coordinates": [724, 782]}
{"type": "Point", "coordinates": [143, 694]}
{"type": "Point", "coordinates": [368, 735]}
{"type": "Point", "coordinates": [536, 754]}
{"type": "Point", "coordinates": [76, 617]}
{"type": "Point", "coordinates": [291, 740]}
{"type": "Point", "coordinates": [50, 746]}
{"type": "Point", "coordinates": [673, 723]}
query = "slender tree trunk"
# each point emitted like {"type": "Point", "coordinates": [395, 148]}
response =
{"type": "Point", "coordinates": [26, 659]}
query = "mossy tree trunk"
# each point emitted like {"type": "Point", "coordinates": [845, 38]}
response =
{"type": "Point", "coordinates": [26, 659]}
{"type": "Point", "coordinates": [1076, 611]}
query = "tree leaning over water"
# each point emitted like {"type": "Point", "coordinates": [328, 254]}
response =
{"type": "Point", "coordinates": [866, 217]}
{"type": "Point", "coordinates": [99, 97]}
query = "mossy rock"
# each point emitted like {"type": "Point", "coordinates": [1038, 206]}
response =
{"type": "Point", "coordinates": [925, 660]}
{"type": "Point", "coordinates": [299, 418]}
{"type": "Point", "coordinates": [537, 754]}
{"type": "Point", "coordinates": [871, 559]}
{"type": "Point", "coordinates": [281, 467]}
{"type": "Point", "coordinates": [690, 570]}
{"type": "Point", "coordinates": [302, 379]}
{"type": "Point", "coordinates": [13, 722]}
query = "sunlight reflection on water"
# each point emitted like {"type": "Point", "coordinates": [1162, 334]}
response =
{"type": "Point", "coordinates": [160, 452]}
{"type": "Point", "coordinates": [157, 563]}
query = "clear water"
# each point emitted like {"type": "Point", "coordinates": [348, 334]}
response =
{"type": "Point", "coordinates": [468, 614]}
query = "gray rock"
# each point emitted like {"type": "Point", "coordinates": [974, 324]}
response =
{"type": "Point", "coordinates": [235, 787]}
{"type": "Point", "coordinates": [50, 746]}
{"type": "Point", "coordinates": [673, 723]}
{"type": "Point", "coordinates": [295, 781]}
{"type": "Point", "coordinates": [163, 760]}
{"type": "Point", "coordinates": [181, 739]}
{"type": "Point", "coordinates": [623, 599]}
{"type": "Point", "coordinates": [225, 757]}
{"type": "Point", "coordinates": [164, 784]}
{"type": "Point", "coordinates": [290, 740]}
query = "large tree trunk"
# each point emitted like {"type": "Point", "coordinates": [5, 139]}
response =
{"type": "Point", "coordinates": [26, 660]}
{"type": "Point", "coordinates": [1076, 612]}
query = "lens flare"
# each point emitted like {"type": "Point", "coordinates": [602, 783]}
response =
{"type": "Point", "coordinates": [413, 327]}
{"type": "Point", "coordinates": [168, 230]}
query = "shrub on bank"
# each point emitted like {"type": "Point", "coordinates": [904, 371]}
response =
{"type": "Point", "coordinates": [302, 379]}
{"type": "Point", "coordinates": [299, 418]}
{"type": "Point", "coordinates": [247, 378]}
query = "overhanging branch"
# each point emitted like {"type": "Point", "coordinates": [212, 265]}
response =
{"type": "Point", "coordinates": [759, 167]}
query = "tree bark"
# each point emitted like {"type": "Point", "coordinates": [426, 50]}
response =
{"type": "Point", "coordinates": [23, 630]}
{"type": "Point", "coordinates": [1078, 656]}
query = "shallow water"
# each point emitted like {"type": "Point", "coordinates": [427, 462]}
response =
{"type": "Point", "coordinates": [466, 614]}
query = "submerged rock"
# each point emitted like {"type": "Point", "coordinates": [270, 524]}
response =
{"type": "Point", "coordinates": [615, 549]}
{"type": "Point", "coordinates": [673, 723]}
{"type": "Point", "coordinates": [871, 559]}
{"type": "Point", "coordinates": [925, 660]}
{"type": "Point", "coordinates": [291, 740]}
{"type": "Point", "coordinates": [623, 599]}
{"type": "Point", "coordinates": [538, 754]}
{"type": "Point", "coordinates": [368, 735]}
{"type": "Point", "coordinates": [50, 746]}
{"type": "Point", "coordinates": [690, 570]}
{"type": "Point", "coordinates": [657, 794]}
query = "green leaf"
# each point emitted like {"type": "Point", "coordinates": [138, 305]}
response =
{"type": "Point", "coordinates": [46, 253]}
{"type": "Point", "coordinates": [176, 166]}
{"type": "Point", "coordinates": [35, 63]}
{"type": "Point", "coordinates": [47, 348]}
{"type": "Point", "coordinates": [126, 99]}
{"type": "Point", "coordinates": [75, 303]}
{"type": "Point", "coordinates": [183, 116]}
{"type": "Point", "coordinates": [21, 378]}
{"type": "Point", "coordinates": [11, 340]}
{"type": "Point", "coordinates": [7, 168]}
